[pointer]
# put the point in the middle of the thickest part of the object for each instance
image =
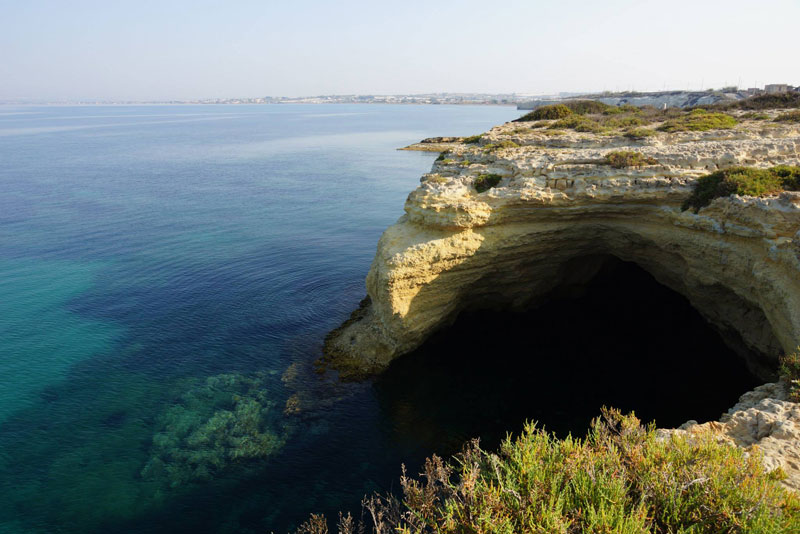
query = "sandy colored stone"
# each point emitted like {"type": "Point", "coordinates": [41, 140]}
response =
{"type": "Point", "coordinates": [763, 422]}
{"type": "Point", "coordinates": [736, 260]}
{"type": "Point", "coordinates": [557, 211]}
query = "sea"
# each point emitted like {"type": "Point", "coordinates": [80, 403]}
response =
{"type": "Point", "coordinates": [146, 249]}
{"type": "Point", "coordinates": [167, 276]}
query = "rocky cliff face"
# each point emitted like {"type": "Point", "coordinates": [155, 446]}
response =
{"type": "Point", "coordinates": [557, 208]}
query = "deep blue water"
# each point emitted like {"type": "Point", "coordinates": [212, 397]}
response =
{"type": "Point", "coordinates": [167, 276]}
{"type": "Point", "coordinates": [144, 249]}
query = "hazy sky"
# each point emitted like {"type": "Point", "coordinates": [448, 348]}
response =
{"type": "Point", "coordinates": [186, 49]}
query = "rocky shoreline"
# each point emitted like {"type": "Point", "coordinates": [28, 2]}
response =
{"type": "Point", "coordinates": [551, 203]}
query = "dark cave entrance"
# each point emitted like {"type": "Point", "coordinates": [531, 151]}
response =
{"type": "Point", "coordinates": [621, 340]}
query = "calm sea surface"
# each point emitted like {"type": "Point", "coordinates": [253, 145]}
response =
{"type": "Point", "coordinates": [167, 274]}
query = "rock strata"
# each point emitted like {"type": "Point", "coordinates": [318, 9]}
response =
{"type": "Point", "coordinates": [763, 422]}
{"type": "Point", "coordinates": [558, 210]}
{"type": "Point", "coordinates": [558, 206]}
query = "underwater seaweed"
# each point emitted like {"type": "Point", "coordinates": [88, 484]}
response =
{"type": "Point", "coordinates": [216, 423]}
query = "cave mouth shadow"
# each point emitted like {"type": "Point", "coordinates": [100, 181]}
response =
{"type": "Point", "coordinates": [620, 340]}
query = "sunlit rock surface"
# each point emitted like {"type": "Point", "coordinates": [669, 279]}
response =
{"type": "Point", "coordinates": [556, 209]}
{"type": "Point", "coordinates": [556, 206]}
{"type": "Point", "coordinates": [764, 422]}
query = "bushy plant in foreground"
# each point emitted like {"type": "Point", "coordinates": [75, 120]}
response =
{"type": "Point", "coordinates": [790, 370]}
{"type": "Point", "coordinates": [699, 120]}
{"type": "Point", "coordinates": [484, 182]}
{"type": "Point", "coordinates": [744, 181]}
{"type": "Point", "coordinates": [472, 140]}
{"type": "Point", "coordinates": [628, 158]}
{"type": "Point", "coordinates": [622, 478]}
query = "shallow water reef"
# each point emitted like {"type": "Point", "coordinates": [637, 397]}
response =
{"type": "Point", "coordinates": [559, 209]}
{"type": "Point", "coordinates": [218, 423]}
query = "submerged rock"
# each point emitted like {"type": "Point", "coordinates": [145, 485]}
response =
{"type": "Point", "coordinates": [217, 423]}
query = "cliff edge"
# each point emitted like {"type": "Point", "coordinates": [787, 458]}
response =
{"type": "Point", "coordinates": [504, 218]}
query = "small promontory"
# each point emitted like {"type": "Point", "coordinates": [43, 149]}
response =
{"type": "Point", "coordinates": [707, 201]}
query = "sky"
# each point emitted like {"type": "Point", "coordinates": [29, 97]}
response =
{"type": "Point", "coordinates": [191, 49]}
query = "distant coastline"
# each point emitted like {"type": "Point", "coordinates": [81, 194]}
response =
{"type": "Point", "coordinates": [468, 99]}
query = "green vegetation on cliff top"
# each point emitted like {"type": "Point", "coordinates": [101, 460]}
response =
{"type": "Point", "coordinates": [622, 478]}
{"type": "Point", "coordinates": [744, 181]}
{"type": "Point", "coordinates": [699, 120]}
{"type": "Point", "coordinates": [598, 118]}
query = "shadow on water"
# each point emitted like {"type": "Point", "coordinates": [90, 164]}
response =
{"type": "Point", "coordinates": [622, 340]}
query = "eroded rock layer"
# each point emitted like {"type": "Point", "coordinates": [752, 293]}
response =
{"type": "Point", "coordinates": [557, 206]}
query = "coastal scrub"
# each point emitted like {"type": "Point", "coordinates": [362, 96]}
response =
{"type": "Point", "coordinates": [556, 111]}
{"type": "Point", "coordinates": [623, 478]}
{"type": "Point", "coordinates": [745, 181]}
{"type": "Point", "coordinates": [699, 120]}
{"type": "Point", "coordinates": [792, 116]}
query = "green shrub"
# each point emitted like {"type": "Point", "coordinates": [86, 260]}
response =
{"type": "Point", "coordinates": [792, 116]}
{"type": "Point", "coordinates": [789, 175]}
{"type": "Point", "coordinates": [484, 182]}
{"type": "Point", "coordinates": [621, 479]}
{"type": "Point", "coordinates": [579, 124]}
{"type": "Point", "coordinates": [639, 133]}
{"type": "Point", "coordinates": [776, 101]}
{"type": "Point", "coordinates": [587, 107]}
{"type": "Point", "coordinates": [625, 108]}
{"type": "Point", "coordinates": [754, 116]}
{"type": "Point", "coordinates": [441, 156]}
{"type": "Point", "coordinates": [552, 112]}
{"type": "Point", "coordinates": [744, 181]}
{"type": "Point", "coordinates": [627, 158]}
{"type": "Point", "coordinates": [699, 120]}
{"type": "Point", "coordinates": [448, 161]}
{"type": "Point", "coordinates": [472, 140]}
{"type": "Point", "coordinates": [790, 370]}
{"type": "Point", "coordinates": [622, 121]}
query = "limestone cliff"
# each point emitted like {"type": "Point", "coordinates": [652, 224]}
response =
{"type": "Point", "coordinates": [558, 206]}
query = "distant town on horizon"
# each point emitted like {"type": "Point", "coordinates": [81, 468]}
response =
{"type": "Point", "coordinates": [521, 100]}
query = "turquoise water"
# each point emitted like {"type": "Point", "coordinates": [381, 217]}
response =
{"type": "Point", "coordinates": [167, 274]}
